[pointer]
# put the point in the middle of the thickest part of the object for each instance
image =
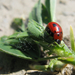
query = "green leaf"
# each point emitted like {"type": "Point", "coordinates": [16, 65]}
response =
{"type": "Point", "coordinates": [39, 67]}
{"type": "Point", "coordinates": [19, 24]}
{"type": "Point", "coordinates": [55, 64]}
{"type": "Point", "coordinates": [35, 28]}
{"type": "Point", "coordinates": [62, 50]}
{"type": "Point", "coordinates": [19, 35]}
{"type": "Point", "coordinates": [18, 21]}
{"type": "Point", "coordinates": [50, 6]}
{"type": "Point", "coordinates": [23, 26]}
{"type": "Point", "coordinates": [72, 38]}
{"type": "Point", "coordinates": [15, 52]}
{"type": "Point", "coordinates": [21, 47]}
{"type": "Point", "coordinates": [68, 60]}
{"type": "Point", "coordinates": [23, 23]}
{"type": "Point", "coordinates": [36, 13]}
{"type": "Point", "coordinates": [16, 24]}
{"type": "Point", "coordinates": [45, 15]}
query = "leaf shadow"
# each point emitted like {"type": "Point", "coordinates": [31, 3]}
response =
{"type": "Point", "coordinates": [10, 64]}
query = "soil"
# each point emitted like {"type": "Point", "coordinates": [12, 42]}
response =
{"type": "Point", "coordinates": [10, 9]}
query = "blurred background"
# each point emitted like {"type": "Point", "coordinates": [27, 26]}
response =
{"type": "Point", "coordinates": [10, 9]}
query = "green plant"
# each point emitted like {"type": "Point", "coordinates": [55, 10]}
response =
{"type": "Point", "coordinates": [26, 43]}
{"type": "Point", "coordinates": [72, 39]}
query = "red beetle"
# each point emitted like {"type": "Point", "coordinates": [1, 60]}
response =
{"type": "Point", "coordinates": [55, 31]}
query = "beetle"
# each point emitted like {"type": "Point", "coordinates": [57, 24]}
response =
{"type": "Point", "coordinates": [55, 30]}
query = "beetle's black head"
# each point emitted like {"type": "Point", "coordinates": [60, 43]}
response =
{"type": "Point", "coordinates": [58, 41]}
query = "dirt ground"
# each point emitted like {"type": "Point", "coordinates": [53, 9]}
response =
{"type": "Point", "coordinates": [10, 9]}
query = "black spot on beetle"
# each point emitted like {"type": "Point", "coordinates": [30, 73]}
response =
{"type": "Point", "coordinates": [55, 31]}
{"type": "Point", "coordinates": [58, 34]}
{"type": "Point", "coordinates": [54, 25]}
